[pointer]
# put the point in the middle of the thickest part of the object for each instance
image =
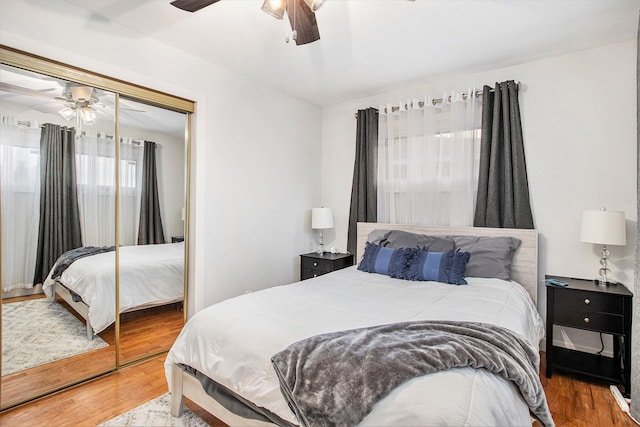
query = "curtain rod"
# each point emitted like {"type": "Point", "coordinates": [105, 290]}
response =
{"type": "Point", "coordinates": [35, 125]}
{"type": "Point", "coordinates": [435, 101]}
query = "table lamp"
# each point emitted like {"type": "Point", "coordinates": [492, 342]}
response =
{"type": "Point", "coordinates": [321, 218]}
{"type": "Point", "coordinates": [604, 228]}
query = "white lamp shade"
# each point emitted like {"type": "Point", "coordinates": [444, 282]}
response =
{"type": "Point", "coordinates": [314, 4]}
{"type": "Point", "coordinates": [274, 8]}
{"type": "Point", "coordinates": [321, 218]}
{"type": "Point", "coordinates": [603, 227]}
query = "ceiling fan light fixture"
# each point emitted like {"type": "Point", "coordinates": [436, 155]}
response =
{"type": "Point", "coordinates": [81, 93]}
{"type": "Point", "coordinates": [274, 8]}
{"type": "Point", "coordinates": [314, 4]}
{"type": "Point", "coordinates": [88, 115]}
{"type": "Point", "coordinates": [67, 113]}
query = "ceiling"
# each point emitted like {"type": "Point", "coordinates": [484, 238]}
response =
{"type": "Point", "coordinates": [369, 46]}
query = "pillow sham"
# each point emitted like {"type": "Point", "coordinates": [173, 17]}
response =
{"type": "Point", "coordinates": [490, 256]}
{"type": "Point", "coordinates": [387, 261]}
{"type": "Point", "coordinates": [404, 239]}
{"type": "Point", "coordinates": [377, 236]}
{"type": "Point", "coordinates": [445, 267]}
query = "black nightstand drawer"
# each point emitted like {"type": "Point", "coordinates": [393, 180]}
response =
{"type": "Point", "coordinates": [589, 301]}
{"type": "Point", "coordinates": [325, 265]}
{"type": "Point", "coordinates": [314, 264]}
{"type": "Point", "coordinates": [590, 320]}
{"type": "Point", "coordinates": [308, 273]}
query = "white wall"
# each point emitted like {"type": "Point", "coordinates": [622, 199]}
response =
{"type": "Point", "coordinates": [578, 116]}
{"type": "Point", "coordinates": [255, 153]}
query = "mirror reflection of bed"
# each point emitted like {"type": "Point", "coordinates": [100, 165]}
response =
{"type": "Point", "coordinates": [151, 315]}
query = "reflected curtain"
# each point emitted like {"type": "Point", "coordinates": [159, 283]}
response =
{"type": "Point", "coordinates": [428, 154]}
{"type": "Point", "coordinates": [503, 190]}
{"type": "Point", "coordinates": [59, 225]}
{"type": "Point", "coordinates": [131, 165]}
{"type": "Point", "coordinates": [364, 203]}
{"type": "Point", "coordinates": [20, 189]}
{"type": "Point", "coordinates": [150, 227]}
{"type": "Point", "coordinates": [96, 188]}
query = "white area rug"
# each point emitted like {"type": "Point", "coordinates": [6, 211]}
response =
{"type": "Point", "coordinates": [156, 412]}
{"type": "Point", "coordinates": [35, 332]}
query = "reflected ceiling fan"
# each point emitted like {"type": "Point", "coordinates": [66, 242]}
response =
{"type": "Point", "coordinates": [301, 15]}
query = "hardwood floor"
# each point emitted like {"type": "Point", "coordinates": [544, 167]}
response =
{"type": "Point", "coordinates": [573, 402]}
{"type": "Point", "coordinates": [141, 335]}
{"type": "Point", "coordinates": [99, 400]}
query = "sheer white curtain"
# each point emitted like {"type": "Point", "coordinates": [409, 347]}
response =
{"type": "Point", "coordinates": [96, 153]}
{"type": "Point", "coordinates": [95, 167]}
{"type": "Point", "coordinates": [428, 160]}
{"type": "Point", "coordinates": [20, 187]}
{"type": "Point", "coordinates": [131, 153]}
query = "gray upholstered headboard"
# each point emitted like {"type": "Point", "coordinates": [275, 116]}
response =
{"type": "Point", "coordinates": [524, 266]}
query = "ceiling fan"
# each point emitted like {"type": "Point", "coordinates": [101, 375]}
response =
{"type": "Point", "coordinates": [300, 12]}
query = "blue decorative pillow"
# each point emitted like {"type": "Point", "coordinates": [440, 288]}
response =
{"type": "Point", "coordinates": [459, 267]}
{"type": "Point", "coordinates": [378, 259]}
{"type": "Point", "coordinates": [445, 267]}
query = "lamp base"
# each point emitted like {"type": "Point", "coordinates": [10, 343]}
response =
{"type": "Point", "coordinates": [601, 282]}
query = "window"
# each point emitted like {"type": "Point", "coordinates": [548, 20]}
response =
{"type": "Point", "coordinates": [428, 163]}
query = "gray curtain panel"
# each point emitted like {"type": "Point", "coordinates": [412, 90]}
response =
{"type": "Point", "coordinates": [150, 230]}
{"type": "Point", "coordinates": [503, 190]}
{"type": "Point", "coordinates": [59, 227]}
{"type": "Point", "coordinates": [364, 190]}
{"type": "Point", "coordinates": [635, 332]}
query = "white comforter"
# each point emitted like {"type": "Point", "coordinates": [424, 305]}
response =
{"type": "Point", "coordinates": [232, 342]}
{"type": "Point", "coordinates": [149, 275]}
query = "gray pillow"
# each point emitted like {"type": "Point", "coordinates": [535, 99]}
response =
{"type": "Point", "coordinates": [490, 256]}
{"type": "Point", "coordinates": [397, 239]}
{"type": "Point", "coordinates": [377, 236]}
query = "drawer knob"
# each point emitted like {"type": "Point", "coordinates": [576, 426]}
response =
{"type": "Point", "coordinates": [587, 301]}
{"type": "Point", "coordinates": [587, 320]}
{"type": "Point", "coordinates": [315, 264]}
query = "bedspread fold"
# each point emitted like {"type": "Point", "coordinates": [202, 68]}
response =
{"type": "Point", "coordinates": [336, 378]}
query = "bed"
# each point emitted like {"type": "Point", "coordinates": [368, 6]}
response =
{"type": "Point", "coordinates": [150, 276]}
{"type": "Point", "coordinates": [222, 359]}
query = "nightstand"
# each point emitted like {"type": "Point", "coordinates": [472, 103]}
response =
{"type": "Point", "coordinates": [314, 265]}
{"type": "Point", "coordinates": [587, 306]}
{"type": "Point", "coordinates": [176, 239]}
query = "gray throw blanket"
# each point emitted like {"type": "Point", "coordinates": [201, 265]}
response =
{"type": "Point", "coordinates": [335, 379]}
{"type": "Point", "coordinates": [66, 259]}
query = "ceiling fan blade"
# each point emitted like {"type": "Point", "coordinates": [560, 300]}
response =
{"type": "Point", "coordinates": [303, 21]}
{"type": "Point", "coordinates": [19, 90]}
{"type": "Point", "coordinates": [192, 5]}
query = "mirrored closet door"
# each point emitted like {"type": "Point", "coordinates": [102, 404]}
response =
{"type": "Point", "coordinates": [152, 228]}
{"type": "Point", "coordinates": [58, 194]}
{"type": "Point", "coordinates": [87, 164]}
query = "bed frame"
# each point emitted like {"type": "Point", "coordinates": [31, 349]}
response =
{"type": "Point", "coordinates": [80, 307]}
{"type": "Point", "coordinates": [524, 270]}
